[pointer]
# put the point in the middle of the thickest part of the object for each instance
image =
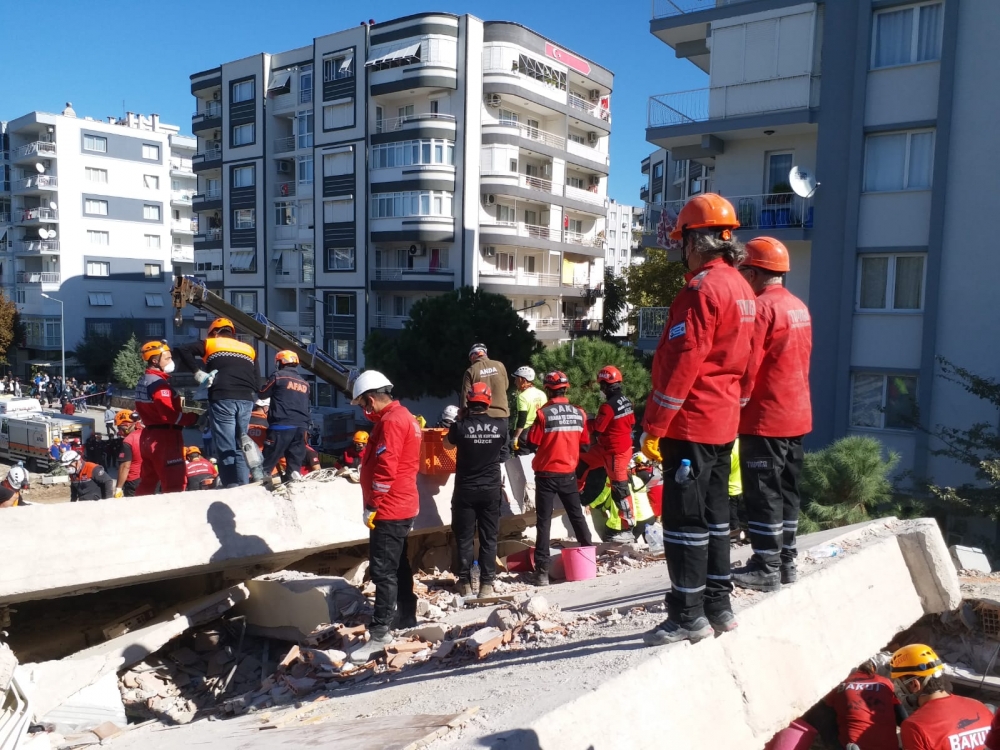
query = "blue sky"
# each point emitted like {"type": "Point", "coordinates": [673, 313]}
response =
{"type": "Point", "coordinates": [103, 53]}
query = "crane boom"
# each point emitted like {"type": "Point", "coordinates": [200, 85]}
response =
{"type": "Point", "coordinates": [189, 290]}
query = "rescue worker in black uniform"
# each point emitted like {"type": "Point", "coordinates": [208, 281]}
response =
{"type": "Point", "coordinates": [287, 417]}
{"type": "Point", "coordinates": [87, 480]}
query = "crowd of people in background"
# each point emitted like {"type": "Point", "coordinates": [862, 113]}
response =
{"type": "Point", "coordinates": [51, 391]}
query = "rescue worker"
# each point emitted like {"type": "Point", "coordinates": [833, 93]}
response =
{"type": "Point", "coordinates": [161, 442]}
{"type": "Point", "coordinates": [737, 506]}
{"type": "Point", "coordinates": [257, 429]}
{"type": "Point", "coordinates": [605, 512]}
{"type": "Point", "coordinates": [87, 481]}
{"type": "Point", "coordinates": [201, 473]}
{"type": "Point", "coordinates": [12, 485]}
{"type": "Point", "coordinates": [941, 721]}
{"type": "Point", "coordinates": [287, 416]}
{"type": "Point", "coordinates": [448, 416]}
{"type": "Point", "coordinates": [481, 445]}
{"type": "Point", "coordinates": [226, 365]}
{"type": "Point", "coordinates": [775, 416]}
{"type": "Point", "coordinates": [693, 413]}
{"type": "Point", "coordinates": [867, 709]}
{"type": "Point", "coordinates": [355, 451]}
{"type": "Point", "coordinates": [528, 401]}
{"type": "Point", "coordinates": [558, 434]}
{"type": "Point", "coordinates": [129, 427]}
{"type": "Point", "coordinates": [485, 370]}
{"type": "Point", "coordinates": [389, 491]}
{"type": "Point", "coordinates": [312, 461]}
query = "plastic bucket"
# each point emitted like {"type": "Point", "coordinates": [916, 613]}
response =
{"type": "Point", "coordinates": [797, 736]}
{"type": "Point", "coordinates": [580, 563]}
{"type": "Point", "coordinates": [521, 562]}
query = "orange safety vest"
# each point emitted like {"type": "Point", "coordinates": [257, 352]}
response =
{"type": "Point", "coordinates": [227, 347]}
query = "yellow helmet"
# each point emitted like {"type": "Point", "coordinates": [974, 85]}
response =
{"type": "Point", "coordinates": [915, 660]}
{"type": "Point", "coordinates": [361, 437]}
{"type": "Point", "coordinates": [153, 349]}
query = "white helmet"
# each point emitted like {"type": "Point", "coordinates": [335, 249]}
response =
{"type": "Point", "coordinates": [369, 380]}
{"type": "Point", "coordinates": [69, 457]}
{"type": "Point", "coordinates": [17, 477]}
{"type": "Point", "coordinates": [525, 372]}
{"type": "Point", "coordinates": [264, 402]}
{"type": "Point", "coordinates": [449, 415]}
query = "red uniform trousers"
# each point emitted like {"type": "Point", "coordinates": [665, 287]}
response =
{"type": "Point", "coordinates": [162, 451]}
{"type": "Point", "coordinates": [616, 465]}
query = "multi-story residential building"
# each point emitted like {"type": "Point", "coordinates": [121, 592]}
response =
{"type": "Point", "coordinates": [883, 100]}
{"type": "Point", "coordinates": [449, 152]}
{"type": "Point", "coordinates": [622, 245]}
{"type": "Point", "coordinates": [93, 213]}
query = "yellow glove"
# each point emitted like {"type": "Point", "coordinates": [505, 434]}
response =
{"type": "Point", "coordinates": [119, 493]}
{"type": "Point", "coordinates": [369, 518]}
{"type": "Point", "coordinates": [516, 446]}
{"type": "Point", "coordinates": [651, 447]}
{"type": "Point", "coordinates": [421, 421]}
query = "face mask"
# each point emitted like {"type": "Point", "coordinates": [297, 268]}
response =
{"type": "Point", "coordinates": [169, 367]}
{"type": "Point", "coordinates": [71, 470]}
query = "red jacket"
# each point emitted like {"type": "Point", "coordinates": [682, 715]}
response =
{"type": "Point", "coordinates": [865, 707]}
{"type": "Point", "coordinates": [614, 423]}
{"type": "Point", "coordinates": [701, 358]}
{"type": "Point", "coordinates": [947, 723]}
{"type": "Point", "coordinates": [130, 452]}
{"type": "Point", "coordinates": [389, 466]}
{"type": "Point", "coordinates": [352, 458]}
{"type": "Point", "coordinates": [775, 388]}
{"type": "Point", "coordinates": [158, 403]}
{"type": "Point", "coordinates": [559, 431]}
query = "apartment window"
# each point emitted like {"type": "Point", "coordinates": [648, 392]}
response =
{"type": "Point", "coordinates": [412, 203]}
{"type": "Point", "coordinates": [891, 282]}
{"type": "Point", "coordinates": [100, 328]}
{"type": "Point", "coordinates": [243, 177]}
{"type": "Point", "coordinates": [98, 268]}
{"type": "Point", "coordinates": [285, 214]}
{"type": "Point", "coordinates": [100, 299]}
{"type": "Point", "coordinates": [242, 91]}
{"type": "Point", "coordinates": [778, 167]}
{"type": "Point", "coordinates": [612, 235]}
{"type": "Point", "coordinates": [340, 259]}
{"type": "Point", "coordinates": [657, 197]}
{"type": "Point", "coordinates": [507, 117]}
{"type": "Point", "coordinates": [304, 128]}
{"type": "Point", "coordinates": [245, 301]}
{"type": "Point", "coordinates": [338, 67]}
{"type": "Point", "coordinates": [341, 326]}
{"type": "Point", "coordinates": [92, 174]}
{"type": "Point", "coordinates": [405, 112]}
{"type": "Point", "coordinates": [150, 151]}
{"type": "Point", "coordinates": [406, 153]}
{"type": "Point", "coordinates": [151, 212]}
{"type": "Point", "coordinates": [338, 115]}
{"type": "Point", "coordinates": [434, 106]}
{"type": "Point", "coordinates": [576, 225]}
{"type": "Point", "coordinates": [899, 161]}
{"type": "Point", "coordinates": [907, 35]}
{"type": "Point", "coordinates": [305, 169]}
{"type": "Point", "coordinates": [658, 170]}
{"type": "Point", "coordinates": [153, 270]}
{"type": "Point", "coordinates": [95, 207]}
{"type": "Point", "coordinates": [678, 170]}
{"type": "Point", "coordinates": [98, 238]}
{"type": "Point", "coordinates": [506, 214]}
{"type": "Point", "coordinates": [154, 329]}
{"type": "Point", "coordinates": [306, 84]}
{"type": "Point", "coordinates": [576, 138]}
{"type": "Point", "coordinates": [153, 241]}
{"type": "Point", "coordinates": [513, 165]}
{"type": "Point", "coordinates": [243, 261]}
{"type": "Point", "coordinates": [151, 182]}
{"type": "Point", "coordinates": [574, 182]}
{"type": "Point", "coordinates": [20, 296]}
{"type": "Point", "coordinates": [883, 402]}
{"type": "Point", "coordinates": [154, 300]}
{"type": "Point", "coordinates": [244, 218]}
{"type": "Point", "coordinates": [243, 135]}
{"type": "Point", "coordinates": [338, 211]}
{"type": "Point", "coordinates": [340, 164]}
{"type": "Point", "coordinates": [95, 143]}
{"type": "Point", "coordinates": [506, 262]}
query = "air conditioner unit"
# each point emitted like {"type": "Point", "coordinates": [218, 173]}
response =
{"type": "Point", "coordinates": [284, 167]}
{"type": "Point", "coordinates": [417, 251]}
{"type": "Point", "coordinates": [594, 95]}
{"type": "Point", "coordinates": [489, 199]}
{"type": "Point", "coordinates": [490, 251]}
{"type": "Point", "coordinates": [217, 96]}
{"type": "Point", "coordinates": [594, 179]}
{"type": "Point", "coordinates": [592, 138]}
{"type": "Point", "coordinates": [492, 100]}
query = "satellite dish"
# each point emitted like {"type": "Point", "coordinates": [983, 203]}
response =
{"type": "Point", "coordinates": [43, 233]}
{"type": "Point", "coordinates": [52, 234]}
{"type": "Point", "coordinates": [40, 168]}
{"type": "Point", "coordinates": [52, 205]}
{"type": "Point", "coordinates": [803, 182]}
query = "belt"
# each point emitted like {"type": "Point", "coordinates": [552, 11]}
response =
{"type": "Point", "coordinates": [163, 427]}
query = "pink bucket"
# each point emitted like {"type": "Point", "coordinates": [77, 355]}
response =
{"type": "Point", "coordinates": [521, 562]}
{"type": "Point", "coordinates": [580, 563]}
{"type": "Point", "coordinates": [797, 736]}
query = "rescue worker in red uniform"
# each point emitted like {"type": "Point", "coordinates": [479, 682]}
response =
{"type": "Point", "coordinates": [129, 428]}
{"type": "Point", "coordinates": [201, 473]}
{"type": "Point", "coordinates": [355, 452]}
{"type": "Point", "coordinates": [257, 430]}
{"type": "Point", "coordinates": [867, 709]}
{"type": "Point", "coordinates": [312, 461]}
{"type": "Point", "coordinates": [161, 443]}
{"type": "Point", "coordinates": [692, 416]}
{"type": "Point", "coordinates": [287, 416]}
{"type": "Point", "coordinates": [776, 414]}
{"type": "Point", "coordinates": [87, 481]}
{"type": "Point", "coordinates": [942, 721]}
{"type": "Point", "coordinates": [391, 502]}
{"type": "Point", "coordinates": [557, 436]}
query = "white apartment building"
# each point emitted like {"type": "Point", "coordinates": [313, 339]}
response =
{"type": "Point", "coordinates": [93, 213]}
{"type": "Point", "coordinates": [622, 249]}
{"type": "Point", "coordinates": [884, 101]}
{"type": "Point", "coordinates": [341, 182]}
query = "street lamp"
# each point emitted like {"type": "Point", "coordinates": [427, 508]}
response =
{"type": "Point", "coordinates": [62, 334]}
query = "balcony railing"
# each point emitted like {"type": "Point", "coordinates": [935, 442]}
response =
{"type": "Point", "coordinates": [209, 109]}
{"type": "Point", "coordinates": [588, 196]}
{"type": "Point", "coordinates": [722, 102]}
{"type": "Point", "coordinates": [208, 195]}
{"type": "Point", "coordinates": [210, 153]}
{"type": "Point", "coordinates": [667, 8]}
{"type": "Point", "coordinates": [579, 238]}
{"type": "Point", "coordinates": [773, 211]}
{"type": "Point", "coordinates": [38, 277]}
{"type": "Point", "coordinates": [388, 124]}
{"type": "Point", "coordinates": [544, 324]}
{"type": "Point", "coordinates": [519, 277]}
{"type": "Point", "coordinates": [36, 246]}
{"type": "Point", "coordinates": [525, 230]}
{"type": "Point", "coordinates": [535, 134]}
{"type": "Point", "coordinates": [180, 165]}
{"type": "Point", "coordinates": [651, 321]}
{"type": "Point", "coordinates": [591, 108]}
{"type": "Point", "coordinates": [209, 235]}
{"type": "Point", "coordinates": [183, 197]}
{"type": "Point", "coordinates": [284, 189]}
{"type": "Point", "coordinates": [284, 145]}
{"type": "Point", "coordinates": [390, 321]}
{"type": "Point", "coordinates": [182, 254]}
{"type": "Point", "coordinates": [46, 181]}
{"type": "Point", "coordinates": [39, 214]}
{"type": "Point", "coordinates": [580, 324]}
{"type": "Point", "coordinates": [43, 342]}
{"type": "Point", "coordinates": [394, 273]}
{"type": "Point", "coordinates": [37, 148]}
{"type": "Point", "coordinates": [184, 225]}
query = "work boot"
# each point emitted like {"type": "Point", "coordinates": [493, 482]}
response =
{"type": "Point", "coordinates": [723, 622]}
{"type": "Point", "coordinates": [294, 477]}
{"type": "Point", "coordinates": [669, 631]}
{"type": "Point", "coordinates": [464, 589]}
{"type": "Point", "coordinates": [486, 590]}
{"type": "Point", "coordinates": [377, 641]}
{"type": "Point", "coordinates": [789, 573]}
{"type": "Point", "coordinates": [757, 578]}
{"type": "Point", "coordinates": [622, 537]}
{"type": "Point", "coordinates": [541, 578]}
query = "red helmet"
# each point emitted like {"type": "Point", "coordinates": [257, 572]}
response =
{"type": "Point", "coordinates": [609, 375]}
{"type": "Point", "coordinates": [555, 381]}
{"type": "Point", "coordinates": [706, 211]}
{"type": "Point", "coordinates": [479, 393]}
{"type": "Point", "coordinates": [767, 253]}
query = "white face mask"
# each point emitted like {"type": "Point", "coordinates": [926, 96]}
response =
{"type": "Point", "coordinates": [71, 470]}
{"type": "Point", "coordinates": [169, 367]}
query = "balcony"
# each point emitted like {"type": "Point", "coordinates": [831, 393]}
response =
{"type": "Point", "coordinates": [38, 277]}
{"type": "Point", "coordinates": [497, 179]}
{"type": "Point", "coordinates": [34, 151]}
{"type": "Point", "coordinates": [393, 273]}
{"type": "Point", "coordinates": [518, 277]}
{"type": "Point", "coordinates": [532, 134]}
{"type": "Point", "coordinates": [37, 183]}
{"type": "Point", "coordinates": [284, 189]}
{"type": "Point", "coordinates": [773, 211]}
{"type": "Point", "coordinates": [520, 229]}
{"type": "Point", "coordinates": [209, 117]}
{"type": "Point", "coordinates": [210, 235]}
{"type": "Point", "coordinates": [668, 8]}
{"type": "Point", "coordinates": [209, 157]}
{"type": "Point", "coordinates": [36, 247]}
{"type": "Point", "coordinates": [184, 226]}
{"type": "Point", "coordinates": [207, 201]}
{"type": "Point", "coordinates": [181, 254]}
{"type": "Point", "coordinates": [644, 166]}
{"type": "Point", "coordinates": [394, 322]}
{"type": "Point", "coordinates": [587, 196]}
{"type": "Point", "coordinates": [34, 216]}
{"type": "Point", "coordinates": [181, 167]}
{"type": "Point", "coordinates": [644, 193]}
{"type": "Point", "coordinates": [581, 238]}
{"type": "Point", "coordinates": [284, 145]}
{"type": "Point", "coordinates": [588, 152]}
{"type": "Point", "coordinates": [408, 122]}
{"type": "Point", "coordinates": [209, 109]}
{"type": "Point", "coordinates": [181, 197]}
{"type": "Point", "coordinates": [594, 109]}
{"type": "Point", "coordinates": [41, 341]}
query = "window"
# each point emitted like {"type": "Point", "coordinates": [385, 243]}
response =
{"type": "Point", "coordinates": [243, 135]}
{"type": "Point", "coordinates": [95, 143]}
{"type": "Point", "coordinates": [242, 91]}
{"type": "Point", "coordinates": [245, 301]}
{"type": "Point", "coordinates": [98, 268]}
{"type": "Point", "coordinates": [532, 68]}
{"type": "Point", "coordinates": [506, 214]}
{"type": "Point", "coordinates": [151, 212]}
{"type": "Point", "coordinates": [340, 259]}
{"type": "Point", "coordinates": [576, 226]}
{"type": "Point", "coordinates": [576, 138]}
{"type": "Point", "coordinates": [96, 207]}
{"type": "Point", "coordinates": [883, 402]}
{"type": "Point", "coordinates": [658, 170]}
{"type": "Point", "coordinates": [908, 35]}
{"type": "Point", "coordinates": [304, 128]}
{"type": "Point", "coordinates": [153, 270]}
{"type": "Point", "coordinates": [100, 328]}
{"type": "Point", "coordinates": [507, 117]}
{"type": "Point", "coordinates": [612, 235]}
{"type": "Point", "coordinates": [243, 176]}
{"type": "Point", "coordinates": [339, 164]}
{"type": "Point", "coordinates": [405, 112]}
{"type": "Point", "coordinates": [100, 299]}
{"type": "Point", "coordinates": [341, 328]}
{"type": "Point", "coordinates": [337, 212]}
{"type": "Point", "coordinates": [154, 329]}
{"type": "Point", "coordinates": [338, 115]}
{"type": "Point", "coordinates": [153, 241]}
{"type": "Point", "coordinates": [778, 167]}
{"type": "Point", "coordinates": [150, 151]}
{"type": "Point", "coordinates": [244, 218]}
{"type": "Point", "coordinates": [154, 300]}
{"type": "Point", "coordinates": [338, 67]}
{"type": "Point", "coordinates": [20, 296]}
{"type": "Point", "coordinates": [434, 106]}
{"type": "Point", "coordinates": [98, 238]}
{"type": "Point", "coordinates": [658, 197]}
{"type": "Point", "coordinates": [406, 153]}
{"type": "Point", "coordinates": [513, 165]}
{"type": "Point", "coordinates": [679, 170]}
{"type": "Point", "coordinates": [891, 282]}
{"type": "Point", "coordinates": [574, 182]}
{"type": "Point", "coordinates": [412, 203]}
{"type": "Point", "coordinates": [306, 84]}
{"type": "Point", "coordinates": [899, 161]}
{"type": "Point", "coordinates": [92, 174]}
{"type": "Point", "coordinates": [151, 182]}
{"type": "Point", "coordinates": [305, 169]}
{"type": "Point", "coordinates": [243, 261]}
{"type": "Point", "coordinates": [285, 214]}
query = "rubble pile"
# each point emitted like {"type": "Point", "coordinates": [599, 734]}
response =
{"type": "Point", "coordinates": [620, 558]}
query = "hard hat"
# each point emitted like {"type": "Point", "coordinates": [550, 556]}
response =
{"type": "Point", "coordinates": [706, 211]}
{"type": "Point", "coordinates": [525, 372]}
{"type": "Point", "coordinates": [219, 323]}
{"type": "Point", "coordinates": [915, 660]}
{"type": "Point", "coordinates": [192, 450]}
{"type": "Point", "coordinates": [69, 457]}
{"type": "Point", "coordinates": [555, 381]}
{"type": "Point", "coordinates": [153, 349]}
{"type": "Point", "coordinates": [286, 357]}
{"type": "Point", "coordinates": [125, 417]}
{"type": "Point", "coordinates": [639, 459]}
{"type": "Point", "coordinates": [609, 375]}
{"type": "Point", "coordinates": [450, 413]}
{"type": "Point", "coordinates": [477, 349]}
{"type": "Point", "coordinates": [262, 402]}
{"type": "Point", "coordinates": [766, 253]}
{"type": "Point", "coordinates": [361, 437]}
{"type": "Point", "coordinates": [479, 393]}
{"type": "Point", "coordinates": [17, 477]}
{"type": "Point", "coordinates": [369, 380]}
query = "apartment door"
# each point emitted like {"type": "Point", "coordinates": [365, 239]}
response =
{"type": "Point", "coordinates": [779, 164]}
{"type": "Point", "coordinates": [531, 218]}
{"type": "Point", "coordinates": [532, 128]}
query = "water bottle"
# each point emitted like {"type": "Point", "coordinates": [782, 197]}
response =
{"type": "Point", "coordinates": [683, 473]}
{"type": "Point", "coordinates": [475, 576]}
{"type": "Point", "coordinates": [824, 550]}
{"type": "Point", "coordinates": [654, 538]}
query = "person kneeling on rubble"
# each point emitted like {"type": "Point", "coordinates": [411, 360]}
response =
{"type": "Point", "coordinates": [201, 473]}
{"type": "Point", "coordinates": [942, 720]}
{"type": "Point", "coordinates": [481, 443]}
{"type": "Point", "coordinates": [605, 510]}
{"type": "Point", "coordinates": [355, 452]}
{"type": "Point", "coordinates": [867, 709]}
{"type": "Point", "coordinates": [389, 491]}
{"type": "Point", "coordinates": [87, 481]}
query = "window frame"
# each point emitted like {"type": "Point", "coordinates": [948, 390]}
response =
{"type": "Point", "coordinates": [92, 233]}
{"type": "Point", "coordinates": [95, 140]}
{"type": "Point", "coordinates": [106, 264]}
{"type": "Point", "coordinates": [153, 241]}
{"type": "Point", "coordinates": [236, 86]}
{"type": "Point", "coordinates": [890, 285]}
{"type": "Point", "coordinates": [244, 169]}
{"type": "Point", "coordinates": [251, 294]}
{"type": "Point", "coordinates": [153, 276]}
{"type": "Point", "coordinates": [239, 128]}
{"type": "Point", "coordinates": [151, 207]}
{"type": "Point", "coordinates": [99, 202]}
{"type": "Point", "coordinates": [247, 221]}
{"type": "Point", "coordinates": [154, 299]}
{"type": "Point", "coordinates": [154, 178]}
{"type": "Point", "coordinates": [330, 255]}
{"type": "Point", "coordinates": [914, 41]}
{"type": "Point", "coordinates": [658, 166]}
{"type": "Point", "coordinates": [88, 172]}
{"type": "Point", "coordinates": [884, 405]}
{"type": "Point", "coordinates": [156, 149]}
{"type": "Point", "coordinates": [100, 299]}
{"type": "Point", "coordinates": [865, 190]}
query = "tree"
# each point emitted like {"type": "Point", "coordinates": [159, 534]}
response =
{"type": "Point", "coordinates": [92, 351]}
{"type": "Point", "coordinates": [653, 283]}
{"type": "Point", "coordinates": [11, 328]}
{"type": "Point", "coordinates": [582, 359]}
{"type": "Point", "coordinates": [615, 303]}
{"type": "Point", "coordinates": [430, 354]}
{"type": "Point", "coordinates": [128, 366]}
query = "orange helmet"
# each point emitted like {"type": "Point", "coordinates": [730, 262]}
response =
{"type": "Point", "coordinates": [153, 349]}
{"type": "Point", "coordinates": [609, 375]}
{"type": "Point", "coordinates": [125, 417]}
{"type": "Point", "coordinates": [556, 381]}
{"type": "Point", "coordinates": [220, 323]}
{"type": "Point", "coordinates": [767, 253]}
{"type": "Point", "coordinates": [707, 211]}
{"type": "Point", "coordinates": [286, 357]}
{"type": "Point", "coordinates": [192, 450]}
{"type": "Point", "coordinates": [361, 437]}
{"type": "Point", "coordinates": [479, 393]}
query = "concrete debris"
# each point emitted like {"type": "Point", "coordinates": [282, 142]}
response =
{"type": "Point", "coordinates": [503, 619]}
{"type": "Point", "coordinates": [970, 559]}
{"type": "Point", "coordinates": [430, 632]}
{"type": "Point", "coordinates": [537, 606]}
